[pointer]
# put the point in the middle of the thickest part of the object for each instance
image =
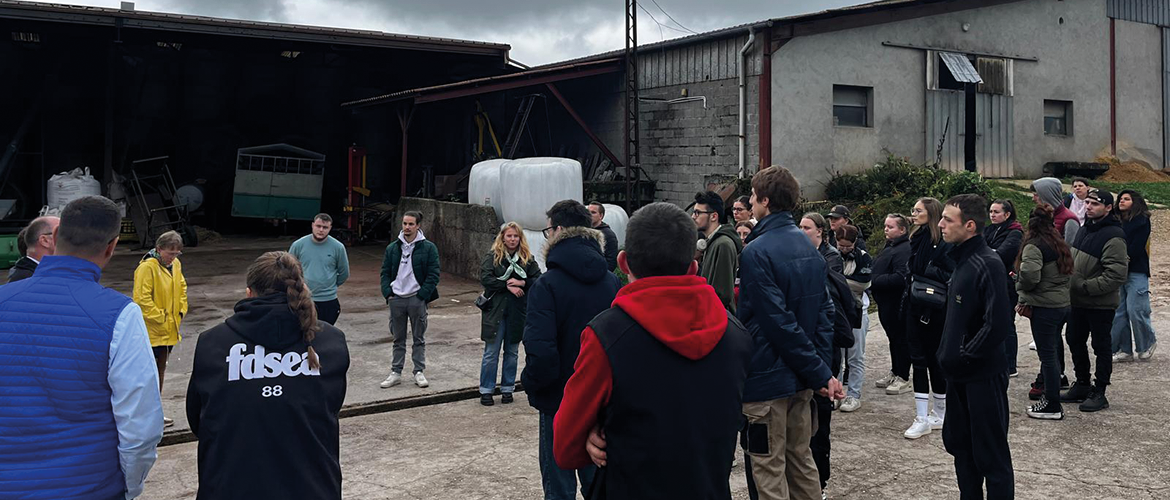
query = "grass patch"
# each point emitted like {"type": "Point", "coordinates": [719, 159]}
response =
{"type": "Point", "coordinates": [1153, 192]}
{"type": "Point", "coordinates": [1019, 196]}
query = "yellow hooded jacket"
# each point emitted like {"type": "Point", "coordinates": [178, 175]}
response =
{"type": "Point", "coordinates": [162, 295]}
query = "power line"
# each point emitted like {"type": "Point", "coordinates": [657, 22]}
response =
{"type": "Point", "coordinates": [660, 25]}
{"type": "Point", "coordinates": [672, 17]}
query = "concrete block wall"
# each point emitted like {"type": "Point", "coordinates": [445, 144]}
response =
{"type": "Point", "coordinates": [462, 232]}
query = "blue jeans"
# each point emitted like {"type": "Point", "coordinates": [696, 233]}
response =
{"type": "Point", "coordinates": [559, 484]}
{"type": "Point", "coordinates": [491, 361]}
{"type": "Point", "coordinates": [855, 357]}
{"type": "Point", "coordinates": [1133, 315]}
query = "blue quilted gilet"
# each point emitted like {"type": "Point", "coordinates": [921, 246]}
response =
{"type": "Point", "coordinates": [58, 439]}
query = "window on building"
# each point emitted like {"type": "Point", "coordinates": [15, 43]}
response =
{"type": "Point", "coordinates": [852, 106]}
{"type": "Point", "coordinates": [946, 80]}
{"type": "Point", "coordinates": [1058, 117]}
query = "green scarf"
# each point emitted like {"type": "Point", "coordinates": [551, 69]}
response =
{"type": "Point", "coordinates": [513, 268]}
{"type": "Point", "coordinates": [154, 254]}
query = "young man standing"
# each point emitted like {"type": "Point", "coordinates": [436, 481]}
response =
{"type": "Point", "coordinates": [577, 286]}
{"type": "Point", "coordinates": [1100, 268]}
{"type": "Point", "coordinates": [666, 338]}
{"type": "Point", "coordinates": [37, 238]}
{"type": "Point", "coordinates": [720, 247]}
{"type": "Point", "coordinates": [972, 357]}
{"type": "Point", "coordinates": [410, 281]}
{"type": "Point", "coordinates": [784, 303]}
{"type": "Point", "coordinates": [597, 215]}
{"type": "Point", "coordinates": [326, 267]}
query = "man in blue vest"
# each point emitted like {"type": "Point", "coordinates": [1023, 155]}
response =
{"type": "Point", "coordinates": [82, 414]}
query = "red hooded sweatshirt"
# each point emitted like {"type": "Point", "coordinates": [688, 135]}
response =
{"type": "Point", "coordinates": [682, 312]}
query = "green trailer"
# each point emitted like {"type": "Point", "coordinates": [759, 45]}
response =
{"type": "Point", "coordinates": [278, 182]}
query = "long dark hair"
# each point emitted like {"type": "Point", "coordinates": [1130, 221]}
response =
{"type": "Point", "coordinates": [1042, 227]}
{"type": "Point", "coordinates": [280, 272]}
{"type": "Point", "coordinates": [1137, 209]}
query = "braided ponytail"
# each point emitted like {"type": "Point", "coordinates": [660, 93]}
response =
{"type": "Point", "coordinates": [276, 272]}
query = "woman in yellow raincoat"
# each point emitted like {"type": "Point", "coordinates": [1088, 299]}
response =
{"type": "Point", "coordinates": [161, 291]}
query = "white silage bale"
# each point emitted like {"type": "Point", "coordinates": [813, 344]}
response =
{"type": "Point", "coordinates": [530, 186]}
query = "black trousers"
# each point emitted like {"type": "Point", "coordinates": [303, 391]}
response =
{"type": "Point", "coordinates": [924, 339]}
{"type": "Point", "coordinates": [1096, 324]}
{"type": "Point", "coordinates": [976, 434]}
{"type": "Point", "coordinates": [328, 311]}
{"type": "Point", "coordinates": [822, 409]}
{"type": "Point", "coordinates": [1046, 325]}
{"type": "Point", "coordinates": [895, 328]}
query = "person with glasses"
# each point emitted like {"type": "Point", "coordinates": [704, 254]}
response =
{"type": "Point", "coordinates": [719, 246]}
{"type": "Point", "coordinates": [161, 291]}
{"type": "Point", "coordinates": [929, 264]}
{"type": "Point", "coordinates": [36, 241]}
{"type": "Point", "coordinates": [741, 210]}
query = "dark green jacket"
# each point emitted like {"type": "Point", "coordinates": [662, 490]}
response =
{"type": "Point", "coordinates": [425, 263]}
{"type": "Point", "coordinates": [502, 300]}
{"type": "Point", "coordinates": [720, 262]}
{"type": "Point", "coordinates": [1100, 264]}
{"type": "Point", "coordinates": [1039, 281]}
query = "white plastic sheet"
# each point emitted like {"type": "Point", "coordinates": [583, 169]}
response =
{"type": "Point", "coordinates": [483, 188]}
{"type": "Point", "coordinates": [68, 186]}
{"type": "Point", "coordinates": [530, 186]}
{"type": "Point", "coordinates": [617, 219]}
{"type": "Point", "coordinates": [536, 245]}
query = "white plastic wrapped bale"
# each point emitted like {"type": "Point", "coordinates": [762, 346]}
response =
{"type": "Point", "coordinates": [617, 219]}
{"type": "Point", "coordinates": [483, 188]}
{"type": "Point", "coordinates": [536, 246]}
{"type": "Point", "coordinates": [68, 186]}
{"type": "Point", "coordinates": [532, 185]}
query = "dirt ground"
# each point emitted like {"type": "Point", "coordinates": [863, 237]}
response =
{"type": "Point", "coordinates": [463, 450]}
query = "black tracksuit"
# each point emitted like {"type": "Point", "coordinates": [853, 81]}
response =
{"type": "Point", "coordinates": [890, 272]}
{"type": "Point", "coordinates": [971, 355]}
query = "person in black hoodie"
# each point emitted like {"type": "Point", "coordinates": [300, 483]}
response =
{"type": "Point", "coordinates": [970, 353]}
{"type": "Point", "coordinates": [931, 267]}
{"type": "Point", "coordinates": [266, 388]}
{"type": "Point", "coordinates": [577, 286]}
{"type": "Point", "coordinates": [890, 274]}
{"type": "Point", "coordinates": [1004, 235]}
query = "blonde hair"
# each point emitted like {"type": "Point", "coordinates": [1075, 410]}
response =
{"type": "Point", "coordinates": [280, 272]}
{"type": "Point", "coordinates": [934, 209]}
{"type": "Point", "coordinates": [499, 251]}
{"type": "Point", "coordinates": [169, 239]}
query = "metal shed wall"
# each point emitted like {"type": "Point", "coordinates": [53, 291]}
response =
{"type": "Point", "coordinates": [940, 105]}
{"type": "Point", "coordinates": [702, 62]}
{"type": "Point", "coordinates": [1140, 11]}
{"type": "Point", "coordinates": [994, 153]}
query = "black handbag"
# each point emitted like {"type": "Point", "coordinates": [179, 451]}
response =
{"type": "Point", "coordinates": [482, 302]}
{"type": "Point", "coordinates": [928, 293]}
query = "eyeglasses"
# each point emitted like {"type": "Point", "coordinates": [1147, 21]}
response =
{"type": "Point", "coordinates": [917, 211]}
{"type": "Point", "coordinates": [546, 231]}
{"type": "Point", "coordinates": [738, 209]}
{"type": "Point", "coordinates": [699, 213]}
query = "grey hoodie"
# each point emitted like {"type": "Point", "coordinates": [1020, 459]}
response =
{"type": "Point", "coordinates": [1050, 191]}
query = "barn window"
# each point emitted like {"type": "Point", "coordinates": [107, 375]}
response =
{"type": "Point", "coordinates": [852, 106]}
{"type": "Point", "coordinates": [1058, 117]}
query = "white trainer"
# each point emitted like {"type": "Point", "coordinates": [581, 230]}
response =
{"type": "Point", "coordinates": [935, 421]}
{"type": "Point", "coordinates": [420, 380]}
{"type": "Point", "coordinates": [1032, 345]}
{"type": "Point", "coordinates": [850, 404]}
{"type": "Point", "coordinates": [885, 381]}
{"type": "Point", "coordinates": [919, 428]}
{"type": "Point", "coordinates": [1123, 357]}
{"type": "Point", "coordinates": [167, 421]}
{"type": "Point", "coordinates": [391, 381]}
{"type": "Point", "coordinates": [899, 386]}
{"type": "Point", "coordinates": [1149, 353]}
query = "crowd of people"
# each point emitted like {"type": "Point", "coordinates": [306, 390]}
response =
{"type": "Point", "coordinates": [740, 324]}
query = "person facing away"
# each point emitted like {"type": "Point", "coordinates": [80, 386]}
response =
{"type": "Point", "coordinates": [890, 274]}
{"type": "Point", "coordinates": [1100, 269]}
{"type": "Point", "coordinates": [785, 306]}
{"type": "Point", "coordinates": [576, 287]}
{"type": "Point", "coordinates": [266, 388]}
{"type": "Point", "coordinates": [597, 216]}
{"type": "Point", "coordinates": [507, 274]}
{"type": "Point", "coordinates": [971, 354]}
{"type": "Point", "coordinates": [1133, 312]}
{"type": "Point", "coordinates": [720, 246]}
{"type": "Point", "coordinates": [1043, 270]}
{"type": "Point", "coordinates": [410, 282]}
{"type": "Point", "coordinates": [1048, 190]}
{"type": "Point", "coordinates": [666, 338]}
{"type": "Point", "coordinates": [161, 291]}
{"type": "Point", "coordinates": [326, 266]}
{"type": "Point", "coordinates": [35, 242]}
{"type": "Point", "coordinates": [77, 358]}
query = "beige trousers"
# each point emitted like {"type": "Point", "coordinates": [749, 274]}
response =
{"type": "Point", "coordinates": [778, 438]}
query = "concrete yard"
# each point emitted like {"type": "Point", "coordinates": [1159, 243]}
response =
{"type": "Point", "coordinates": [462, 450]}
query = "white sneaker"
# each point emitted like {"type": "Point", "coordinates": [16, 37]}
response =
{"type": "Point", "coordinates": [167, 421]}
{"type": "Point", "coordinates": [935, 421]}
{"type": "Point", "coordinates": [391, 381]}
{"type": "Point", "coordinates": [1149, 353]}
{"type": "Point", "coordinates": [919, 428]}
{"type": "Point", "coordinates": [1123, 357]}
{"type": "Point", "coordinates": [420, 380]}
{"type": "Point", "coordinates": [885, 381]}
{"type": "Point", "coordinates": [899, 386]}
{"type": "Point", "coordinates": [1032, 345]}
{"type": "Point", "coordinates": [850, 404]}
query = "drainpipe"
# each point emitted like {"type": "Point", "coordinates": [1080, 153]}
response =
{"type": "Point", "coordinates": [743, 102]}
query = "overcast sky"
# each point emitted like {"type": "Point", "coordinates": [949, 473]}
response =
{"type": "Point", "coordinates": [539, 31]}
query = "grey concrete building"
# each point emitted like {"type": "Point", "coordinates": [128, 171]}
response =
{"type": "Point", "coordinates": [1062, 80]}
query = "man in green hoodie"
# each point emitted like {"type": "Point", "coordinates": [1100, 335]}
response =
{"type": "Point", "coordinates": [719, 246]}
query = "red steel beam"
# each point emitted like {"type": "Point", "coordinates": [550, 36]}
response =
{"type": "Point", "coordinates": [515, 84]}
{"type": "Point", "coordinates": [589, 132]}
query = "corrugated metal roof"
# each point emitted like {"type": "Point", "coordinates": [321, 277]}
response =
{"type": "Point", "coordinates": [18, 9]}
{"type": "Point", "coordinates": [960, 67]}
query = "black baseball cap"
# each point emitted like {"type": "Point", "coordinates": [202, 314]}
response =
{"type": "Point", "coordinates": [839, 211]}
{"type": "Point", "coordinates": [1100, 196]}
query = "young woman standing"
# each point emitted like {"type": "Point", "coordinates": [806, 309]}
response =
{"type": "Point", "coordinates": [1043, 269]}
{"type": "Point", "coordinates": [1133, 315]}
{"type": "Point", "coordinates": [929, 264]}
{"type": "Point", "coordinates": [509, 269]}
{"type": "Point", "coordinates": [890, 274]}
{"type": "Point", "coordinates": [858, 269]}
{"type": "Point", "coordinates": [1004, 235]}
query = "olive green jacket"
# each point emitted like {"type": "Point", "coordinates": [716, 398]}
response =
{"type": "Point", "coordinates": [1039, 281]}
{"type": "Point", "coordinates": [502, 300]}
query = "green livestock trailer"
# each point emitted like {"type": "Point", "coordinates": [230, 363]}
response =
{"type": "Point", "coordinates": [278, 182]}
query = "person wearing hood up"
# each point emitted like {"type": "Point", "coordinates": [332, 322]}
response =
{"type": "Point", "coordinates": [576, 287]}
{"type": "Point", "coordinates": [720, 246]}
{"type": "Point", "coordinates": [161, 291]}
{"type": "Point", "coordinates": [1004, 235]}
{"type": "Point", "coordinates": [1048, 190]}
{"type": "Point", "coordinates": [630, 400]}
{"type": "Point", "coordinates": [410, 281]}
{"type": "Point", "coordinates": [266, 389]}
{"type": "Point", "coordinates": [597, 215]}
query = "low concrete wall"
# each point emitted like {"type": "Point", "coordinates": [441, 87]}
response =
{"type": "Point", "coordinates": [462, 232]}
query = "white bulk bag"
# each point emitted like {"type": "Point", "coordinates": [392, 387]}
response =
{"type": "Point", "coordinates": [617, 219]}
{"type": "Point", "coordinates": [536, 246]}
{"type": "Point", "coordinates": [68, 186]}
{"type": "Point", "coordinates": [483, 188]}
{"type": "Point", "coordinates": [530, 186]}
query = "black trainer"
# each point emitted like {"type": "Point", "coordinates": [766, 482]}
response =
{"type": "Point", "coordinates": [1076, 394]}
{"type": "Point", "coordinates": [1046, 410]}
{"type": "Point", "coordinates": [1063, 381]}
{"type": "Point", "coordinates": [1095, 402]}
{"type": "Point", "coordinates": [486, 400]}
{"type": "Point", "coordinates": [506, 398]}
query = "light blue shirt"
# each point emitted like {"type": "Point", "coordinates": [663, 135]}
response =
{"type": "Point", "coordinates": [326, 265]}
{"type": "Point", "coordinates": [133, 379]}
